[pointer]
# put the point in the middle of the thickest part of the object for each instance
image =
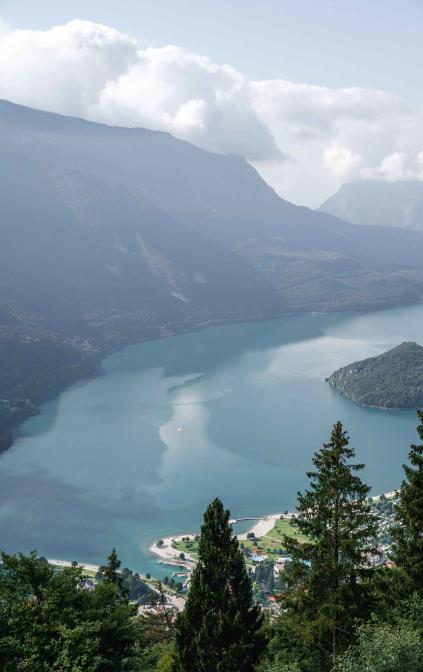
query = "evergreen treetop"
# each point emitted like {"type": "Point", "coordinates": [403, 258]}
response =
{"type": "Point", "coordinates": [408, 531]}
{"type": "Point", "coordinates": [219, 629]}
{"type": "Point", "coordinates": [50, 622]}
{"type": "Point", "coordinates": [111, 570]}
{"type": "Point", "coordinates": [328, 574]}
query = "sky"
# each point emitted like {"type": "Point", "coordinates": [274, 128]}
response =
{"type": "Point", "coordinates": [313, 93]}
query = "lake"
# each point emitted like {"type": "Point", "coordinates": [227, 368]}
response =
{"type": "Point", "coordinates": [235, 411]}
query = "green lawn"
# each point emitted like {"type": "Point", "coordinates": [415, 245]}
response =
{"type": "Point", "coordinates": [285, 527]}
{"type": "Point", "coordinates": [271, 544]}
{"type": "Point", "coordinates": [190, 547]}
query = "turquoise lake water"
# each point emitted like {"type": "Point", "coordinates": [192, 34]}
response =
{"type": "Point", "coordinates": [234, 411]}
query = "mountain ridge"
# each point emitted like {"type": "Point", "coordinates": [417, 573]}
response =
{"type": "Point", "coordinates": [379, 203]}
{"type": "Point", "coordinates": [114, 235]}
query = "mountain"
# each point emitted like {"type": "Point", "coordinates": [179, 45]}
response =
{"type": "Point", "coordinates": [114, 235]}
{"type": "Point", "coordinates": [375, 203]}
{"type": "Point", "coordinates": [391, 380]}
{"type": "Point", "coordinates": [85, 242]}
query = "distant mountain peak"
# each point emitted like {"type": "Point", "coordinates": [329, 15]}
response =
{"type": "Point", "coordinates": [379, 203]}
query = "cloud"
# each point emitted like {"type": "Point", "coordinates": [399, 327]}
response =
{"type": "Point", "coordinates": [188, 95]}
{"type": "Point", "coordinates": [337, 135]}
{"type": "Point", "coordinates": [399, 166]}
{"type": "Point", "coordinates": [341, 161]}
{"type": "Point", "coordinates": [63, 69]}
{"type": "Point", "coordinates": [304, 139]}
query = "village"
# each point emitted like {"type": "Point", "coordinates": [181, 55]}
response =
{"type": "Point", "coordinates": [264, 552]}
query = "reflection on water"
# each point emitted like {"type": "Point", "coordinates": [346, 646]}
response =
{"type": "Point", "coordinates": [234, 411]}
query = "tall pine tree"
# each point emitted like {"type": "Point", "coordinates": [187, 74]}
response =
{"type": "Point", "coordinates": [327, 577]}
{"type": "Point", "coordinates": [219, 629]}
{"type": "Point", "coordinates": [408, 532]}
{"type": "Point", "coordinates": [111, 570]}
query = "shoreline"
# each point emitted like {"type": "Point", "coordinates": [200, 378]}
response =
{"type": "Point", "coordinates": [67, 563]}
{"type": "Point", "coordinates": [10, 432]}
{"type": "Point", "coordinates": [264, 525]}
{"type": "Point", "coordinates": [170, 555]}
{"type": "Point", "coordinates": [172, 599]}
{"type": "Point", "coordinates": [407, 409]}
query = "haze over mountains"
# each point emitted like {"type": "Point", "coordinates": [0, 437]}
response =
{"type": "Point", "coordinates": [112, 235]}
{"type": "Point", "coordinates": [377, 203]}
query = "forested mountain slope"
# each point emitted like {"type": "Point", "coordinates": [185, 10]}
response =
{"type": "Point", "coordinates": [112, 235]}
{"type": "Point", "coordinates": [391, 380]}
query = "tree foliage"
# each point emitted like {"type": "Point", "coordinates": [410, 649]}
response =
{"type": "Point", "coordinates": [111, 570]}
{"type": "Point", "coordinates": [328, 576]}
{"type": "Point", "coordinates": [219, 629]}
{"type": "Point", "coordinates": [384, 647]}
{"type": "Point", "coordinates": [337, 613]}
{"type": "Point", "coordinates": [50, 622]}
{"type": "Point", "coordinates": [408, 531]}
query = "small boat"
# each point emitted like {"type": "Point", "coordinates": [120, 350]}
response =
{"type": "Point", "coordinates": [180, 429]}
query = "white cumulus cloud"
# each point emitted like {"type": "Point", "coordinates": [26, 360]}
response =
{"type": "Point", "coordinates": [341, 161]}
{"type": "Point", "coordinates": [305, 140]}
{"type": "Point", "coordinates": [188, 95]}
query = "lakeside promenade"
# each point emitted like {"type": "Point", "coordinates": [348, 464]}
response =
{"type": "Point", "coordinates": [171, 556]}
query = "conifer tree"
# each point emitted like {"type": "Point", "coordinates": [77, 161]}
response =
{"type": "Point", "coordinates": [408, 532]}
{"type": "Point", "coordinates": [49, 622]}
{"type": "Point", "coordinates": [112, 568]}
{"type": "Point", "coordinates": [327, 577]}
{"type": "Point", "coordinates": [219, 629]}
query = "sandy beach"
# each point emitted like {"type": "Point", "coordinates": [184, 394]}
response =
{"type": "Point", "coordinates": [169, 554]}
{"type": "Point", "coordinates": [67, 563]}
{"type": "Point", "coordinates": [263, 526]}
